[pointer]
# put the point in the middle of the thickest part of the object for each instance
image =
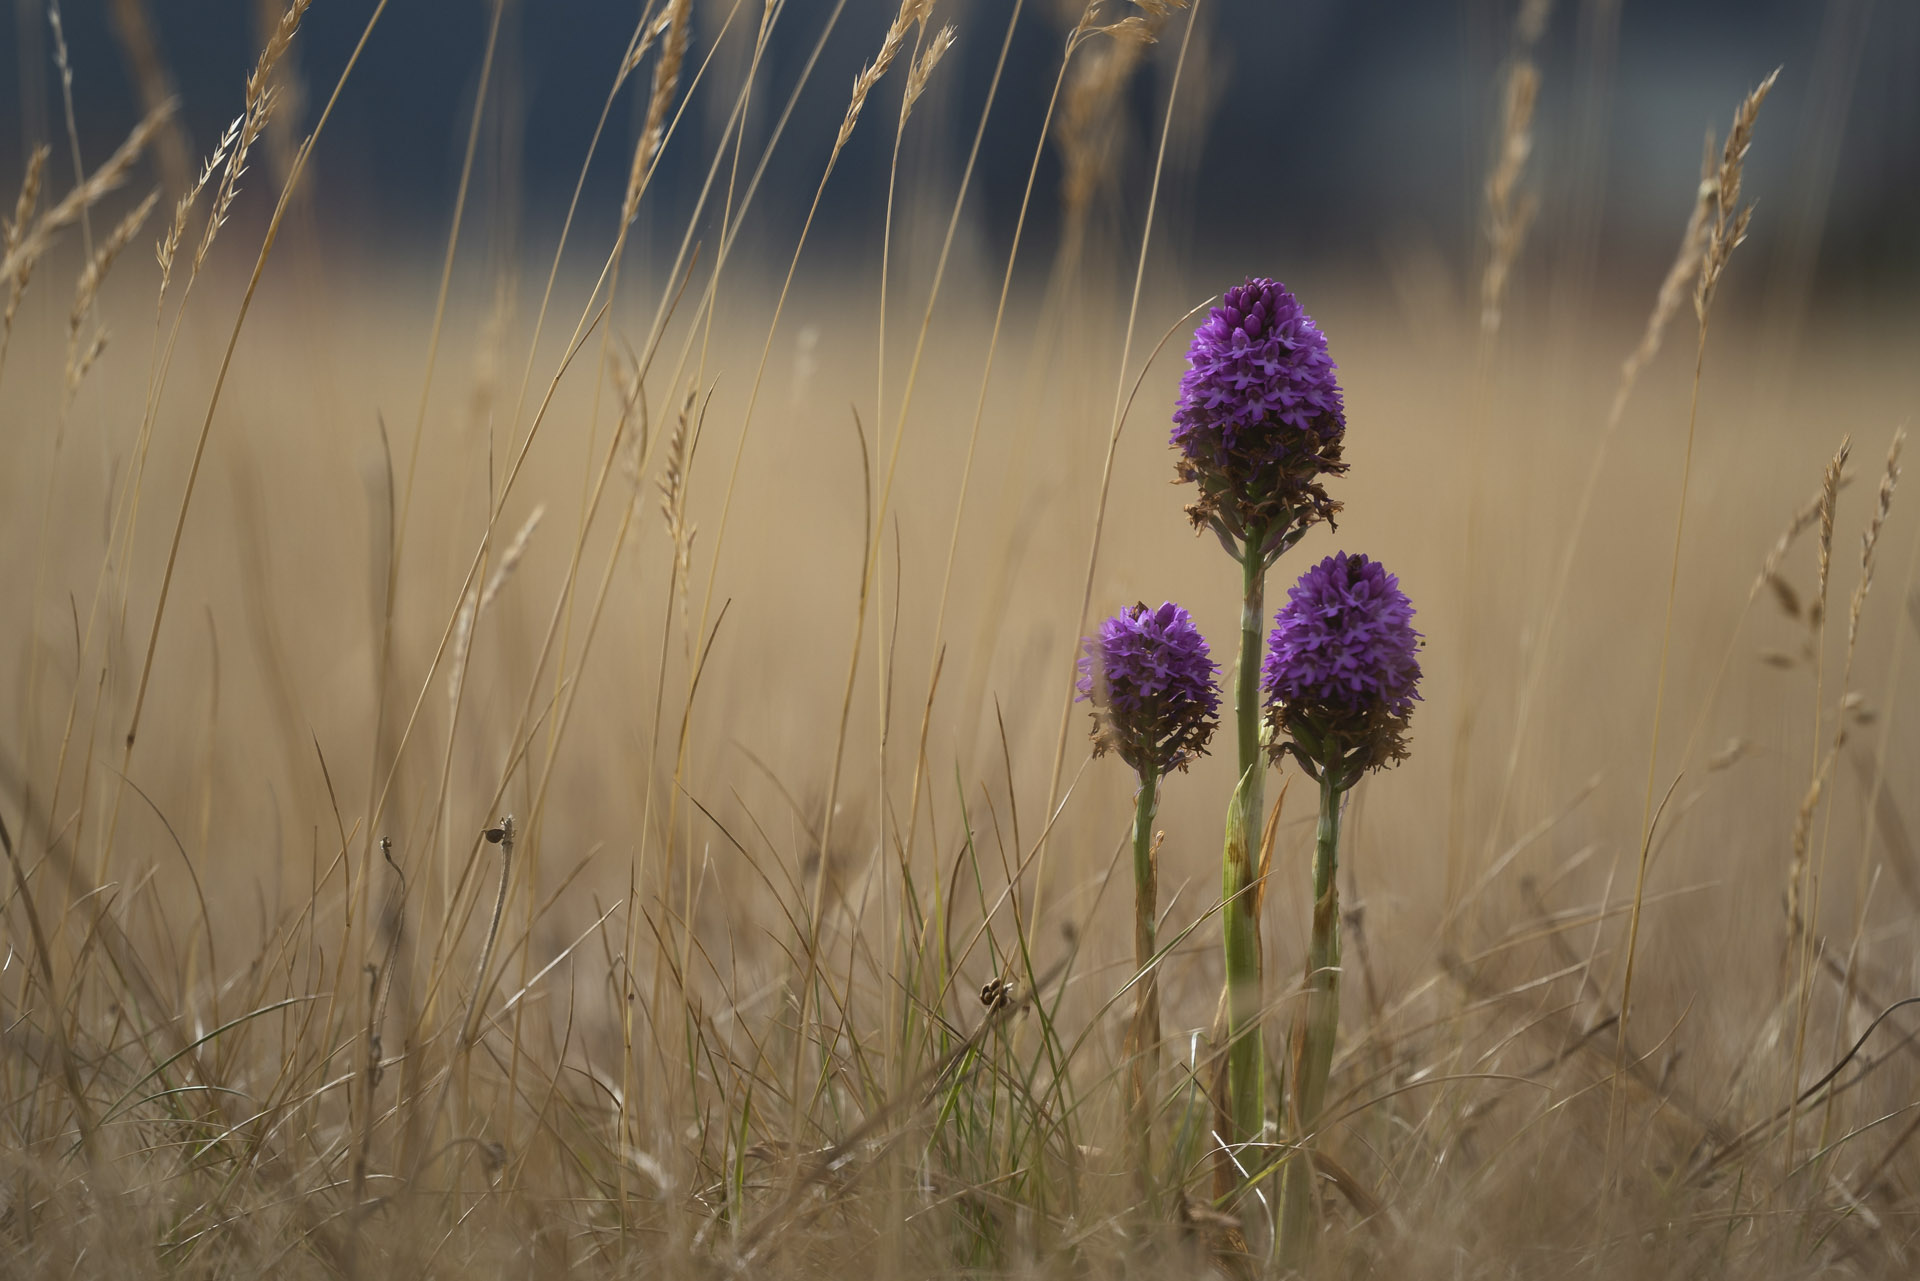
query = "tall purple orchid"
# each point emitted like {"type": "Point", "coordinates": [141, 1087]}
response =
{"type": "Point", "coordinates": [1259, 427]}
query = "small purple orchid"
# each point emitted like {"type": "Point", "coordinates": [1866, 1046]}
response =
{"type": "Point", "coordinates": [1341, 676]}
{"type": "Point", "coordinates": [1149, 676]}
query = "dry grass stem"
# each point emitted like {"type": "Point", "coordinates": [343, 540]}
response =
{"type": "Point", "coordinates": [474, 608]}
{"type": "Point", "coordinates": [763, 980]}
{"type": "Point", "coordinates": [1510, 211]}
{"type": "Point", "coordinates": [65, 68]}
{"type": "Point", "coordinates": [1724, 235]}
{"type": "Point", "coordinates": [87, 291]}
{"type": "Point", "coordinates": [19, 269]}
{"type": "Point", "coordinates": [133, 28]}
{"type": "Point", "coordinates": [1870, 537]}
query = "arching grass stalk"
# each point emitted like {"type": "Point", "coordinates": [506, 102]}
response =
{"type": "Point", "coordinates": [1150, 678]}
{"type": "Point", "coordinates": [1259, 424]}
{"type": "Point", "coordinates": [1340, 682]}
{"type": "Point", "coordinates": [1726, 231]}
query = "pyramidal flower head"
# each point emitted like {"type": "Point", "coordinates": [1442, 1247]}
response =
{"type": "Point", "coordinates": [1149, 677]}
{"type": "Point", "coordinates": [1341, 675]}
{"type": "Point", "coordinates": [1260, 417]}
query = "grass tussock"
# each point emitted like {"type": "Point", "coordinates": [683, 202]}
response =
{"type": "Point", "coordinates": [633, 824]}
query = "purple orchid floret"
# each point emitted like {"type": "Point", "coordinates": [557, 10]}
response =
{"type": "Point", "coordinates": [1149, 676]}
{"type": "Point", "coordinates": [1341, 675]}
{"type": "Point", "coordinates": [1260, 417]}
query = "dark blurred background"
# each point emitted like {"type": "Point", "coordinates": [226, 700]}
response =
{"type": "Point", "coordinates": [1351, 132]}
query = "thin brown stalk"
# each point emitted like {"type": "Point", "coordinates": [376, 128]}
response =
{"type": "Point", "coordinates": [133, 30]}
{"type": "Point", "coordinates": [476, 604]}
{"type": "Point", "coordinates": [637, 45]}
{"type": "Point", "coordinates": [12, 233]}
{"type": "Point", "coordinates": [896, 34]}
{"type": "Point", "coordinates": [1510, 210]}
{"type": "Point", "coordinates": [233, 341]}
{"type": "Point", "coordinates": [666, 82]}
{"type": "Point", "coordinates": [1869, 542]}
{"type": "Point", "coordinates": [64, 66]}
{"type": "Point", "coordinates": [979, 412]}
{"type": "Point", "coordinates": [24, 249]}
{"type": "Point", "coordinates": [383, 657]}
{"type": "Point", "coordinates": [1673, 290]}
{"type": "Point", "coordinates": [1797, 872]}
{"type": "Point", "coordinates": [80, 356]}
{"type": "Point", "coordinates": [1728, 229]}
{"type": "Point", "coordinates": [56, 1014]}
{"type": "Point", "coordinates": [1122, 400]}
{"type": "Point", "coordinates": [1508, 214]}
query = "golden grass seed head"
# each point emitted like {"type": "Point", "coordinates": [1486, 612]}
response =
{"type": "Point", "coordinates": [922, 69]}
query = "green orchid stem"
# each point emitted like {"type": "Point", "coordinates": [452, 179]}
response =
{"type": "Point", "coordinates": [1241, 920]}
{"type": "Point", "coordinates": [1144, 1039]}
{"type": "Point", "coordinates": [1320, 1024]}
{"type": "Point", "coordinates": [1246, 691]}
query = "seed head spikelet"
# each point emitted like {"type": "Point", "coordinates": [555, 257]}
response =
{"type": "Point", "coordinates": [643, 41]}
{"type": "Point", "coordinates": [169, 244]}
{"type": "Point", "coordinates": [477, 601]}
{"type": "Point", "coordinates": [666, 82]}
{"type": "Point", "coordinates": [28, 248]}
{"type": "Point", "coordinates": [1803, 520]}
{"type": "Point", "coordinates": [1730, 219]}
{"type": "Point", "coordinates": [1870, 537]}
{"type": "Point", "coordinates": [1510, 210]}
{"type": "Point", "coordinates": [81, 354]}
{"type": "Point", "coordinates": [260, 101]}
{"type": "Point", "coordinates": [672, 486]}
{"type": "Point", "coordinates": [1685, 267]}
{"type": "Point", "coordinates": [1090, 126]}
{"type": "Point", "coordinates": [922, 69]}
{"type": "Point", "coordinates": [14, 232]}
{"type": "Point", "coordinates": [910, 12]}
{"type": "Point", "coordinates": [1829, 496]}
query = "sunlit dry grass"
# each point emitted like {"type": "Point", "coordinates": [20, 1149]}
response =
{"type": "Point", "coordinates": [800, 956]}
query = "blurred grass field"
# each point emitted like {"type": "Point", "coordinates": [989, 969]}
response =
{"type": "Point", "coordinates": [253, 1042]}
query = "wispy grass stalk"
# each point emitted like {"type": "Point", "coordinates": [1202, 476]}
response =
{"type": "Point", "coordinates": [1727, 229]}
{"type": "Point", "coordinates": [1134, 27]}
